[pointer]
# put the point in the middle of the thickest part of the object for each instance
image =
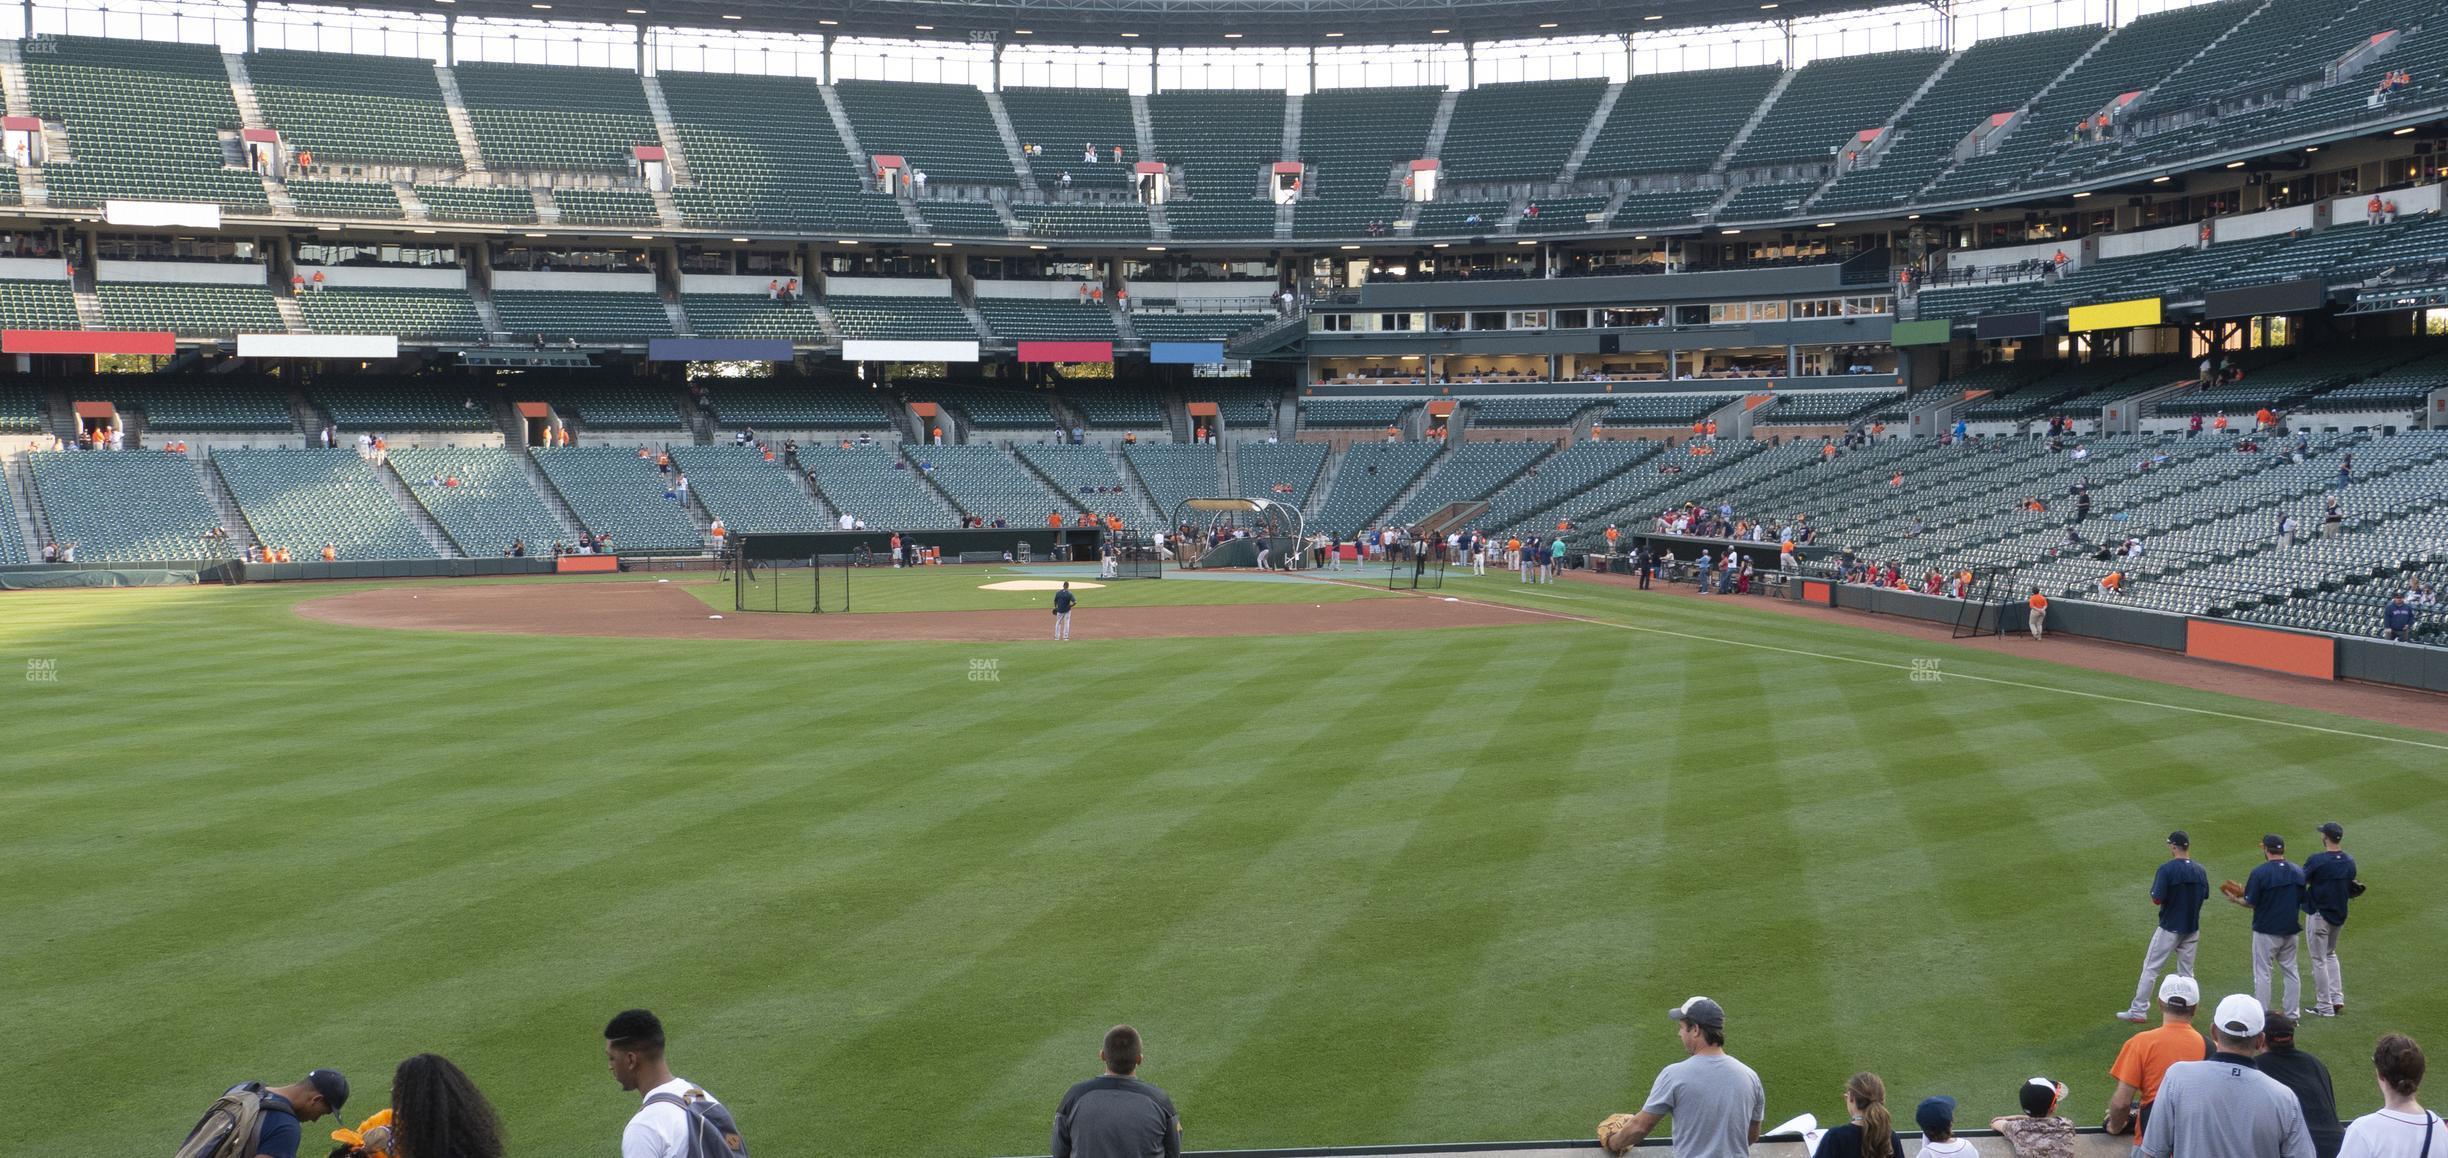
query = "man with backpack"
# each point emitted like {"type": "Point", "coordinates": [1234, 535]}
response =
{"type": "Point", "coordinates": [253, 1120]}
{"type": "Point", "coordinates": [678, 1120]}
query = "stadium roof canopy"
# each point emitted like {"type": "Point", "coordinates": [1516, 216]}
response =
{"type": "Point", "coordinates": [1156, 23]}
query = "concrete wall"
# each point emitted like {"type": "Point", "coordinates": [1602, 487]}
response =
{"type": "Point", "coordinates": [2089, 1144]}
{"type": "Point", "coordinates": [616, 283]}
{"type": "Point", "coordinates": [184, 272]}
{"type": "Point", "coordinates": [34, 268]}
{"type": "Point", "coordinates": [891, 287]}
{"type": "Point", "coordinates": [385, 276]}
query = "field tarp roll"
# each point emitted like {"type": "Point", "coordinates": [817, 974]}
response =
{"type": "Point", "coordinates": [50, 578]}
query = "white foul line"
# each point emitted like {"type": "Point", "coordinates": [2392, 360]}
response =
{"type": "Point", "coordinates": [2436, 747]}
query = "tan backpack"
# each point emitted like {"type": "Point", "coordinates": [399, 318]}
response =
{"type": "Point", "coordinates": [230, 1128]}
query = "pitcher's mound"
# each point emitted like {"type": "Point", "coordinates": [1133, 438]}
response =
{"type": "Point", "coordinates": [1037, 585]}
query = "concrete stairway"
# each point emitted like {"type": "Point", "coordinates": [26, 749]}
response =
{"type": "Point", "coordinates": [455, 107]}
{"type": "Point", "coordinates": [435, 536]}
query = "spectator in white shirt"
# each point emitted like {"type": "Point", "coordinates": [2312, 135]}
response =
{"type": "Point", "coordinates": [663, 1126]}
{"type": "Point", "coordinates": [2401, 1128]}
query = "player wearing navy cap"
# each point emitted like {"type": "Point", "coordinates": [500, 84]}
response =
{"type": "Point", "coordinates": [2179, 888]}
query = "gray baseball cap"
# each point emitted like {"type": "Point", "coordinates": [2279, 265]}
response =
{"type": "Point", "coordinates": [1700, 1011]}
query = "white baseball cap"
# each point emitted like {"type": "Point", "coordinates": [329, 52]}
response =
{"type": "Point", "coordinates": [2178, 989]}
{"type": "Point", "coordinates": [2239, 1015]}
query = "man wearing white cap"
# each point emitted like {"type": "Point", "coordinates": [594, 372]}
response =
{"type": "Point", "coordinates": [2144, 1060]}
{"type": "Point", "coordinates": [1717, 1103]}
{"type": "Point", "coordinates": [2224, 1106]}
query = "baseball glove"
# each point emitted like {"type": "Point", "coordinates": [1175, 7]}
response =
{"type": "Point", "coordinates": [2233, 890]}
{"type": "Point", "coordinates": [1607, 1130]}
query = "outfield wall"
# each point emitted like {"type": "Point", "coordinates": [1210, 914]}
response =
{"type": "Point", "coordinates": [2090, 1143]}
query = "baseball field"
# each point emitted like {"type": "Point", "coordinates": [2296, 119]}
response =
{"type": "Point", "coordinates": [1436, 880]}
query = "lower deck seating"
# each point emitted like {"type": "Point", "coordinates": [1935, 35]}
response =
{"type": "Point", "coordinates": [987, 483]}
{"type": "Point", "coordinates": [1173, 472]}
{"type": "Point", "coordinates": [303, 499]}
{"type": "Point", "coordinates": [1085, 476]}
{"type": "Point", "coordinates": [1283, 471]}
{"type": "Point", "coordinates": [125, 507]}
{"type": "Point", "coordinates": [492, 507]}
{"type": "Point", "coordinates": [1373, 474]}
{"type": "Point", "coordinates": [746, 492]}
{"type": "Point", "coordinates": [874, 485]}
{"type": "Point", "coordinates": [619, 496]}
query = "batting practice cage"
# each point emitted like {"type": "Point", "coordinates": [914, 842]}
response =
{"type": "Point", "coordinates": [1238, 532]}
{"type": "Point", "coordinates": [1133, 558]}
{"type": "Point", "coordinates": [794, 572]}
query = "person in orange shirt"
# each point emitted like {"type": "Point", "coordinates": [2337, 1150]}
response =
{"type": "Point", "coordinates": [2039, 612]}
{"type": "Point", "coordinates": [2265, 418]}
{"type": "Point", "coordinates": [331, 554]}
{"type": "Point", "coordinates": [1613, 536]}
{"type": "Point", "coordinates": [1699, 428]}
{"type": "Point", "coordinates": [2220, 426]}
{"type": "Point", "coordinates": [1054, 519]}
{"type": "Point", "coordinates": [1712, 430]}
{"type": "Point", "coordinates": [2112, 582]}
{"type": "Point", "coordinates": [2146, 1056]}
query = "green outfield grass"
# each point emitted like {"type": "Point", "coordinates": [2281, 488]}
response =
{"type": "Point", "coordinates": [964, 589]}
{"type": "Point", "coordinates": [1354, 888]}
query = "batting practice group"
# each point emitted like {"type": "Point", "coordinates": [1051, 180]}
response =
{"type": "Point", "coordinates": [2285, 900]}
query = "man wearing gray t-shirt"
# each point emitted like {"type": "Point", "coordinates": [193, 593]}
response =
{"type": "Point", "coordinates": [1717, 1103]}
{"type": "Point", "coordinates": [2226, 1107]}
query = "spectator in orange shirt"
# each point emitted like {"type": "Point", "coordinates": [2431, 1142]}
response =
{"type": "Point", "coordinates": [2146, 1056]}
{"type": "Point", "coordinates": [331, 554]}
{"type": "Point", "coordinates": [2039, 612]}
{"type": "Point", "coordinates": [1054, 519]}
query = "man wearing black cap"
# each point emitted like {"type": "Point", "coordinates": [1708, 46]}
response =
{"type": "Point", "coordinates": [2329, 882]}
{"type": "Point", "coordinates": [2178, 889]}
{"type": "Point", "coordinates": [2274, 892]}
{"type": "Point", "coordinates": [2304, 1074]}
{"type": "Point", "coordinates": [1717, 1103]}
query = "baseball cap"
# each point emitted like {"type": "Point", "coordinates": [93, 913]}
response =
{"type": "Point", "coordinates": [2240, 1016]}
{"type": "Point", "coordinates": [2278, 1027]}
{"type": "Point", "coordinates": [2274, 842]}
{"type": "Point", "coordinates": [1936, 1115]}
{"type": "Point", "coordinates": [1700, 1011]}
{"type": "Point", "coordinates": [2333, 830]}
{"type": "Point", "coordinates": [2180, 839]}
{"type": "Point", "coordinates": [2178, 989]}
{"type": "Point", "coordinates": [2041, 1095]}
{"type": "Point", "coordinates": [333, 1087]}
